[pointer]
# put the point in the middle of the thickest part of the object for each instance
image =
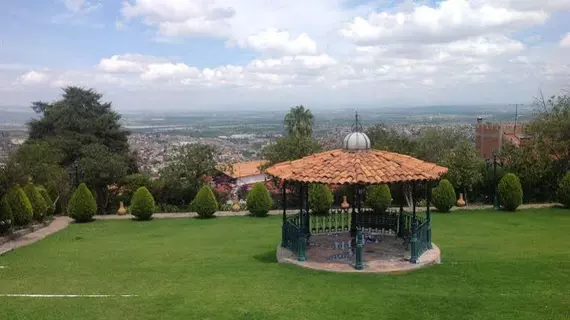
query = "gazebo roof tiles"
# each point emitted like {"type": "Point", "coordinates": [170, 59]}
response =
{"type": "Point", "coordinates": [356, 167]}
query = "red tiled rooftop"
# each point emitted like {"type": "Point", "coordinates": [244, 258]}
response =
{"type": "Point", "coordinates": [244, 169]}
{"type": "Point", "coordinates": [365, 167]}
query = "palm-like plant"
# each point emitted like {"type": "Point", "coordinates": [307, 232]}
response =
{"type": "Point", "coordinates": [299, 122]}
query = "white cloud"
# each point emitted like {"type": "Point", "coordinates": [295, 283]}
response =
{"type": "Point", "coordinates": [33, 78]}
{"type": "Point", "coordinates": [274, 40]}
{"type": "Point", "coordinates": [80, 6]}
{"type": "Point", "coordinates": [157, 71]}
{"type": "Point", "coordinates": [126, 63]}
{"type": "Point", "coordinates": [565, 41]}
{"type": "Point", "coordinates": [181, 17]}
{"type": "Point", "coordinates": [451, 20]}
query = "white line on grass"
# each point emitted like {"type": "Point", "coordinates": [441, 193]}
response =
{"type": "Point", "coordinates": [3, 267]}
{"type": "Point", "coordinates": [68, 295]}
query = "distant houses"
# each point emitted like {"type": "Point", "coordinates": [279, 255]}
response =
{"type": "Point", "coordinates": [241, 174]}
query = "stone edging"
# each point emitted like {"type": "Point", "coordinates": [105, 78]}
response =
{"type": "Point", "coordinates": [25, 231]}
{"type": "Point", "coordinates": [429, 258]}
{"type": "Point", "coordinates": [34, 233]}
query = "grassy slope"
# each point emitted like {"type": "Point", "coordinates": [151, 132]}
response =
{"type": "Point", "coordinates": [495, 266]}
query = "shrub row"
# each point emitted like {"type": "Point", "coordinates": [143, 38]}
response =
{"type": "Point", "coordinates": [21, 206]}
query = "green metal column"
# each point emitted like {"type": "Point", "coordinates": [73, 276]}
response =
{"type": "Point", "coordinates": [428, 213]}
{"type": "Point", "coordinates": [301, 255]}
{"type": "Point", "coordinates": [353, 215]}
{"type": "Point", "coordinates": [359, 250]}
{"type": "Point", "coordinates": [307, 214]}
{"type": "Point", "coordinates": [414, 241]}
{"type": "Point", "coordinates": [284, 198]}
{"type": "Point", "coordinates": [401, 214]}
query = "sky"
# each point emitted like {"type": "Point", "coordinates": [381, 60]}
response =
{"type": "Point", "coordinates": [231, 54]}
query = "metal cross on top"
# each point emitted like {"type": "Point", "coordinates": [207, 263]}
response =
{"type": "Point", "coordinates": [356, 126]}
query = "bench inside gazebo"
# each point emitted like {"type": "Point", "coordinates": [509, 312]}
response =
{"type": "Point", "coordinates": [357, 237]}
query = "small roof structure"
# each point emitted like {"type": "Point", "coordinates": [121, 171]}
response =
{"type": "Point", "coordinates": [356, 167]}
{"type": "Point", "coordinates": [245, 169]}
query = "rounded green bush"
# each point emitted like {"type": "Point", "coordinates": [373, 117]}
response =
{"type": "Point", "coordinates": [5, 216]}
{"type": "Point", "coordinates": [378, 197]}
{"type": "Point", "coordinates": [47, 199]}
{"type": "Point", "coordinates": [142, 204]}
{"type": "Point", "coordinates": [259, 200]}
{"type": "Point", "coordinates": [205, 203]}
{"type": "Point", "coordinates": [443, 196]}
{"type": "Point", "coordinates": [320, 199]}
{"type": "Point", "coordinates": [510, 192]}
{"type": "Point", "coordinates": [563, 192]}
{"type": "Point", "coordinates": [22, 210]}
{"type": "Point", "coordinates": [82, 206]}
{"type": "Point", "coordinates": [39, 205]}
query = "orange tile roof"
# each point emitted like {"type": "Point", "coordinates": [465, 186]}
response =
{"type": "Point", "coordinates": [245, 169]}
{"type": "Point", "coordinates": [365, 167]}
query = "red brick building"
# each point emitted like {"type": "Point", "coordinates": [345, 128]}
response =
{"type": "Point", "coordinates": [491, 137]}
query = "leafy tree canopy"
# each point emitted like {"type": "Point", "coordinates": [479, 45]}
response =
{"type": "Point", "coordinates": [299, 122]}
{"type": "Point", "coordinates": [289, 148]}
{"type": "Point", "coordinates": [191, 164]}
{"type": "Point", "coordinates": [78, 119]}
{"type": "Point", "coordinates": [464, 166]}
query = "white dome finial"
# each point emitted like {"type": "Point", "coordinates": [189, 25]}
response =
{"type": "Point", "coordinates": [356, 140]}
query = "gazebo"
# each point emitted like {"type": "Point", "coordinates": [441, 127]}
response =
{"type": "Point", "coordinates": [358, 166]}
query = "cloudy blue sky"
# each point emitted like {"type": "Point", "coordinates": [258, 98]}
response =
{"type": "Point", "coordinates": [194, 54]}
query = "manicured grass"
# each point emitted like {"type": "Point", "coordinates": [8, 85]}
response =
{"type": "Point", "coordinates": [496, 265]}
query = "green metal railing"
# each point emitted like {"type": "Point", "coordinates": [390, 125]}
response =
{"type": "Point", "coordinates": [420, 241]}
{"type": "Point", "coordinates": [335, 221]}
{"type": "Point", "coordinates": [293, 237]}
{"type": "Point", "coordinates": [370, 221]}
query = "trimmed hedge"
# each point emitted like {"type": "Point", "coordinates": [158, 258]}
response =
{"type": "Point", "coordinates": [47, 199]}
{"type": "Point", "coordinates": [39, 205]}
{"type": "Point", "coordinates": [142, 204]}
{"type": "Point", "coordinates": [510, 192]}
{"type": "Point", "coordinates": [82, 206]}
{"type": "Point", "coordinates": [320, 199]}
{"type": "Point", "coordinates": [259, 200]}
{"type": "Point", "coordinates": [5, 216]}
{"type": "Point", "coordinates": [444, 196]}
{"type": "Point", "coordinates": [204, 204]}
{"type": "Point", "coordinates": [563, 192]}
{"type": "Point", "coordinates": [22, 210]}
{"type": "Point", "coordinates": [378, 197]}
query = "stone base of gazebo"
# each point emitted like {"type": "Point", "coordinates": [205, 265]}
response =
{"type": "Point", "coordinates": [384, 254]}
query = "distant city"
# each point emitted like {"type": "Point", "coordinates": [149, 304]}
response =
{"type": "Point", "coordinates": [241, 135]}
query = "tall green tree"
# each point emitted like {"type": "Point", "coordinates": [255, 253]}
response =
{"type": "Point", "coordinates": [289, 148]}
{"type": "Point", "coordinates": [81, 126]}
{"type": "Point", "coordinates": [78, 119]}
{"type": "Point", "coordinates": [299, 122]}
{"type": "Point", "coordinates": [464, 167]}
{"type": "Point", "coordinates": [384, 138]}
{"type": "Point", "coordinates": [190, 165]}
{"type": "Point", "coordinates": [435, 144]}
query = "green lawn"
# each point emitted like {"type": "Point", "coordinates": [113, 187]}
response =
{"type": "Point", "coordinates": [496, 265]}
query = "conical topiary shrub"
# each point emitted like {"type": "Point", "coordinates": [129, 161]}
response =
{"type": "Point", "coordinates": [444, 196]}
{"type": "Point", "coordinates": [563, 192]}
{"type": "Point", "coordinates": [82, 206]}
{"type": "Point", "coordinates": [205, 204]}
{"type": "Point", "coordinates": [320, 199]}
{"type": "Point", "coordinates": [22, 211]}
{"type": "Point", "coordinates": [5, 216]}
{"type": "Point", "coordinates": [259, 200]}
{"type": "Point", "coordinates": [142, 204]}
{"type": "Point", "coordinates": [39, 205]}
{"type": "Point", "coordinates": [47, 199]}
{"type": "Point", "coordinates": [378, 197]}
{"type": "Point", "coordinates": [510, 192]}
